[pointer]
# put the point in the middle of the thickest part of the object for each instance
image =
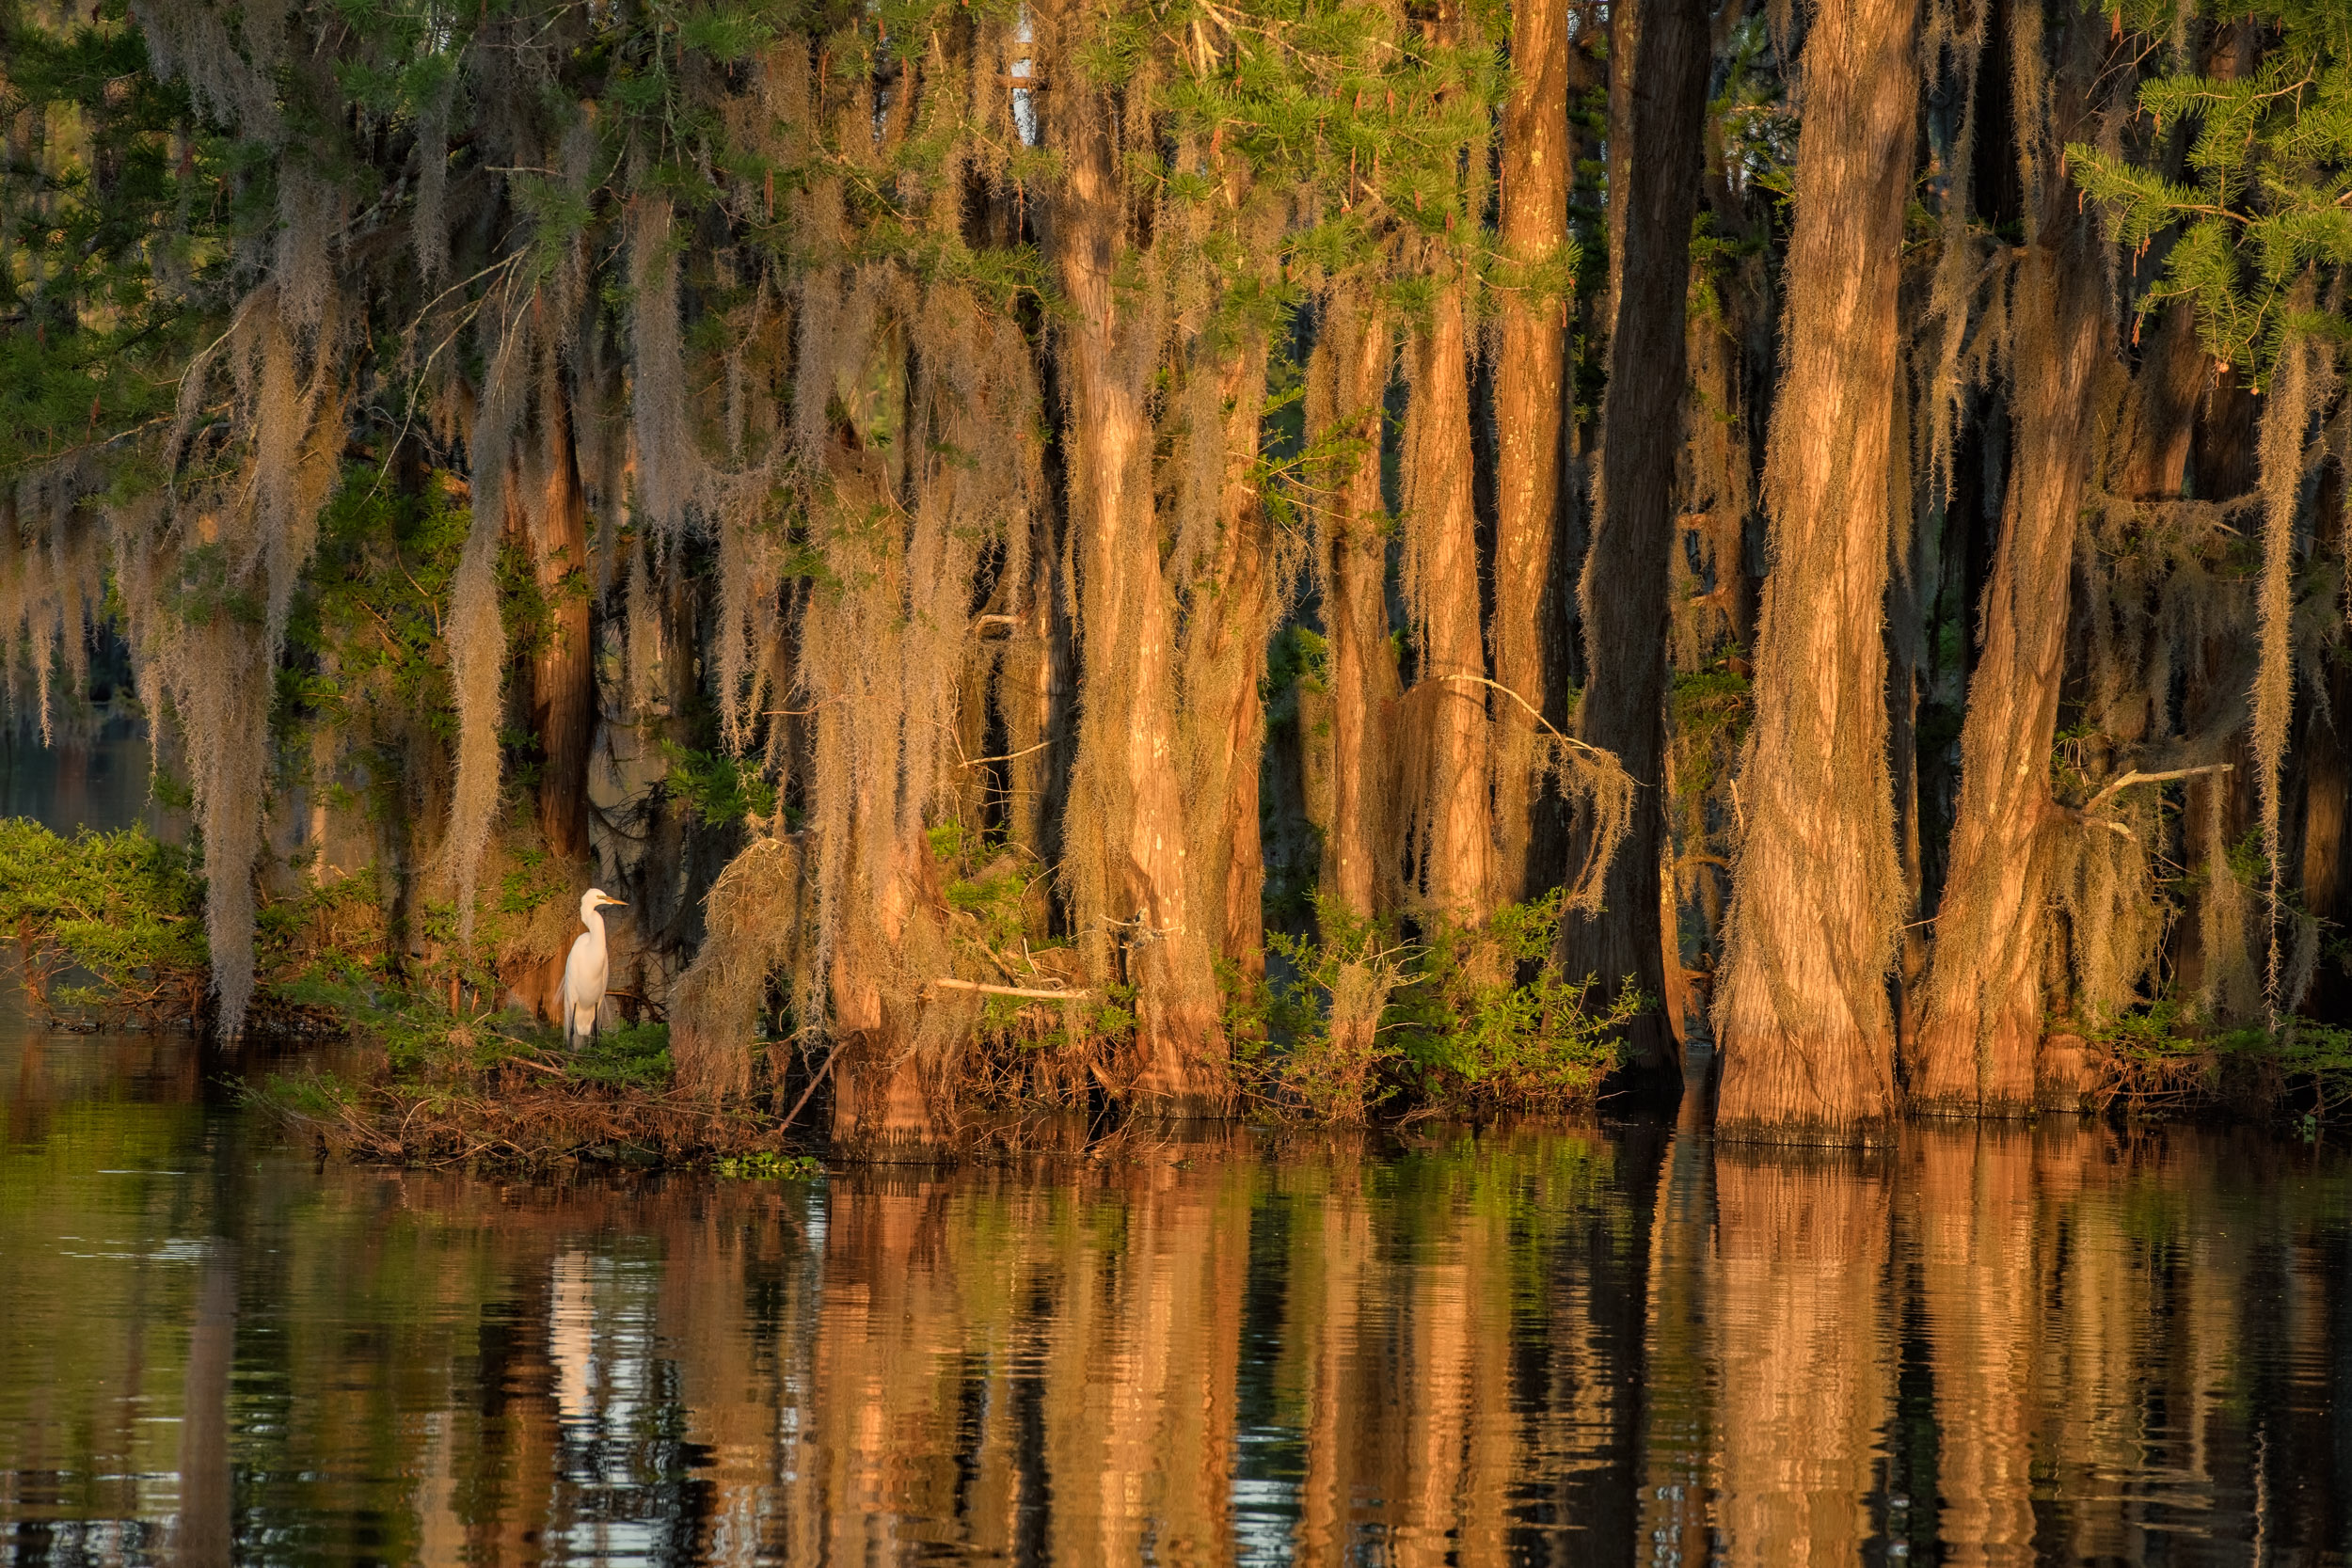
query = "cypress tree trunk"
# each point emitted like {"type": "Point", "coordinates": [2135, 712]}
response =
{"type": "Point", "coordinates": [1983, 1025]}
{"type": "Point", "coordinates": [1983, 1021]}
{"type": "Point", "coordinates": [563, 672]}
{"type": "Point", "coordinates": [1245, 589]}
{"type": "Point", "coordinates": [2328, 792]}
{"type": "Point", "coordinates": [1223, 721]}
{"type": "Point", "coordinates": [882, 1106]}
{"type": "Point", "coordinates": [1452, 844]}
{"type": "Point", "coordinates": [1530, 410]}
{"type": "Point", "coordinates": [1624, 591]}
{"type": "Point", "coordinates": [1128, 797]}
{"type": "Point", "coordinates": [2161, 413]}
{"type": "Point", "coordinates": [1801, 1014]}
{"type": "Point", "coordinates": [1346, 381]}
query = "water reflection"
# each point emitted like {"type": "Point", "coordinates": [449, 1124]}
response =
{"type": "Point", "coordinates": [1524, 1346]}
{"type": "Point", "coordinates": [95, 774]}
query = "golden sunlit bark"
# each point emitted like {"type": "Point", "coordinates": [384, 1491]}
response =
{"type": "Point", "coordinates": [1127, 812]}
{"type": "Point", "coordinates": [1347, 736]}
{"type": "Point", "coordinates": [1802, 1010]}
{"type": "Point", "coordinates": [1529, 410]}
{"type": "Point", "coordinates": [1979, 1039]}
{"type": "Point", "coordinates": [562, 668]}
{"type": "Point", "coordinates": [1222, 722]}
{"type": "Point", "coordinates": [1445, 721]}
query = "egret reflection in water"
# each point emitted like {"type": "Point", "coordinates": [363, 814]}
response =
{"type": "Point", "coordinates": [1517, 1346]}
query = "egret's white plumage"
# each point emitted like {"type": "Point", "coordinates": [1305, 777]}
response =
{"type": "Point", "coordinates": [586, 971]}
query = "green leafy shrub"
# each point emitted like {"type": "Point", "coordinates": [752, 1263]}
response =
{"type": "Point", "coordinates": [1469, 1018]}
{"type": "Point", "coordinates": [119, 907]}
{"type": "Point", "coordinates": [1484, 1037]}
{"type": "Point", "coordinates": [1330, 1012]}
{"type": "Point", "coordinates": [717, 790]}
{"type": "Point", "coordinates": [2166, 1057]}
{"type": "Point", "coordinates": [628, 1055]}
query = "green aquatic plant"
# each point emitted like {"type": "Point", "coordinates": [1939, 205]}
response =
{"type": "Point", "coordinates": [767, 1165]}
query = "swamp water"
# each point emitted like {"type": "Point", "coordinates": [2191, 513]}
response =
{"type": "Point", "coordinates": [1614, 1346]}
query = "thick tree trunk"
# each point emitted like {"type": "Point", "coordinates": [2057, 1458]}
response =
{"type": "Point", "coordinates": [1982, 1027]}
{"type": "Point", "coordinates": [2161, 413]}
{"type": "Point", "coordinates": [1453, 842]}
{"type": "Point", "coordinates": [1223, 721]}
{"type": "Point", "coordinates": [1128, 796]}
{"type": "Point", "coordinates": [1806, 1033]}
{"type": "Point", "coordinates": [1984, 1011]}
{"type": "Point", "coordinates": [1529, 407]}
{"type": "Point", "coordinates": [1624, 591]}
{"type": "Point", "coordinates": [1347, 380]}
{"type": "Point", "coordinates": [563, 672]}
{"type": "Point", "coordinates": [886, 1096]}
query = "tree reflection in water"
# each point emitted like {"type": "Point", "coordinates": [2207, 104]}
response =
{"type": "Point", "coordinates": [1990, 1345]}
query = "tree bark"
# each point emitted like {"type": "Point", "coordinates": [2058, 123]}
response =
{"type": "Point", "coordinates": [1530, 408]}
{"type": "Point", "coordinates": [1982, 1026]}
{"type": "Point", "coordinates": [1984, 1011]}
{"type": "Point", "coordinates": [2327, 792]}
{"type": "Point", "coordinates": [1347, 379]}
{"type": "Point", "coordinates": [883, 1107]}
{"type": "Point", "coordinates": [1223, 719]}
{"type": "Point", "coordinates": [1128, 795]}
{"type": "Point", "coordinates": [1803, 1014]}
{"type": "Point", "coordinates": [2161, 413]}
{"type": "Point", "coordinates": [563, 672]}
{"type": "Point", "coordinates": [1453, 842]}
{"type": "Point", "coordinates": [1625, 586]}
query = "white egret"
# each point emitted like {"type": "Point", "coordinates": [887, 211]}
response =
{"type": "Point", "coordinates": [588, 967]}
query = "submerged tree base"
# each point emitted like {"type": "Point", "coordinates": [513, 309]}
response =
{"type": "Point", "coordinates": [1807, 1134]}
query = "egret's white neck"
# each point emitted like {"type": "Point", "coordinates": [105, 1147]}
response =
{"type": "Point", "coordinates": [593, 918]}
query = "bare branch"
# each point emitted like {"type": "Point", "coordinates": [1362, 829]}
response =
{"type": "Point", "coordinates": [2138, 778]}
{"type": "Point", "coordinates": [1030, 992]}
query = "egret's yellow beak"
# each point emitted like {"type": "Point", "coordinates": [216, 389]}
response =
{"type": "Point", "coordinates": [618, 903]}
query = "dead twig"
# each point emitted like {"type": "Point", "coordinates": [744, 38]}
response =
{"type": "Point", "coordinates": [1610, 757]}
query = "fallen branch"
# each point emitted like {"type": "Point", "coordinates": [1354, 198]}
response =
{"type": "Point", "coordinates": [521, 1060]}
{"type": "Point", "coordinates": [814, 1079]}
{"type": "Point", "coordinates": [1033, 993]}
